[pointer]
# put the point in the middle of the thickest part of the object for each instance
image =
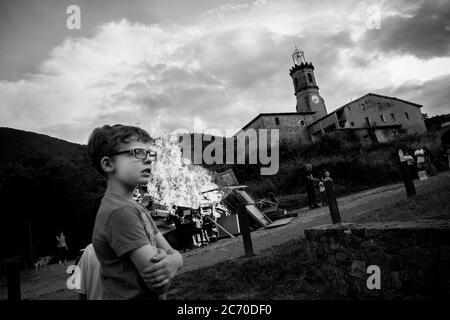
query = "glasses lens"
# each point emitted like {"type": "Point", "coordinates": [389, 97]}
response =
{"type": "Point", "coordinates": [140, 153]}
{"type": "Point", "coordinates": [152, 155]}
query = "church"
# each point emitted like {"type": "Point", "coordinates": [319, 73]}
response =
{"type": "Point", "coordinates": [370, 118]}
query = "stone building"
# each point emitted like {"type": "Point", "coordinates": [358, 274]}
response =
{"type": "Point", "coordinates": [370, 118]}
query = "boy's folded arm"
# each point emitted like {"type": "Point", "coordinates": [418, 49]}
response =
{"type": "Point", "coordinates": [162, 243]}
{"type": "Point", "coordinates": [142, 259]}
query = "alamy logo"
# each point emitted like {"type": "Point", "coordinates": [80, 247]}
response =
{"type": "Point", "coordinates": [374, 280]}
{"type": "Point", "coordinates": [74, 19]}
{"type": "Point", "coordinates": [74, 281]}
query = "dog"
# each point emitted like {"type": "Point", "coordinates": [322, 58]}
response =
{"type": "Point", "coordinates": [42, 262]}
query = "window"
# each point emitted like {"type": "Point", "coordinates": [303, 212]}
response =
{"type": "Point", "coordinates": [407, 115]}
{"type": "Point", "coordinates": [310, 79]}
{"type": "Point", "coordinates": [277, 121]}
{"type": "Point", "coordinates": [296, 82]}
{"type": "Point", "coordinates": [302, 122]}
{"type": "Point", "coordinates": [382, 118]}
{"type": "Point", "coordinates": [392, 117]}
{"type": "Point", "coordinates": [367, 121]}
{"type": "Point", "coordinates": [378, 106]}
{"type": "Point", "coordinates": [352, 124]}
{"type": "Point", "coordinates": [363, 106]}
{"type": "Point", "coordinates": [348, 108]}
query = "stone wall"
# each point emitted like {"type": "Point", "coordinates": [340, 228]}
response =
{"type": "Point", "coordinates": [291, 126]}
{"type": "Point", "coordinates": [413, 257]}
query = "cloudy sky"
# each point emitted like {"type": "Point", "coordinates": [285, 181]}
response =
{"type": "Point", "coordinates": [210, 64]}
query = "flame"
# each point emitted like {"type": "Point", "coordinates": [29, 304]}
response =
{"type": "Point", "coordinates": [175, 181]}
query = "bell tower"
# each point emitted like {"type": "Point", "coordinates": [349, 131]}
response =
{"type": "Point", "coordinates": [305, 86]}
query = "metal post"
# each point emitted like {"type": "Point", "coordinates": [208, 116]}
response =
{"type": "Point", "coordinates": [332, 202]}
{"type": "Point", "coordinates": [245, 231]}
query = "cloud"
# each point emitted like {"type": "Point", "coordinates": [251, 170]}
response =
{"type": "Point", "coordinates": [424, 32]}
{"type": "Point", "coordinates": [433, 94]}
{"type": "Point", "coordinates": [219, 72]}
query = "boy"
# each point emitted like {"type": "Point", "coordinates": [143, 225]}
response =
{"type": "Point", "coordinates": [136, 260]}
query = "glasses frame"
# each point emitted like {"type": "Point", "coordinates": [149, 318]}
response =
{"type": "Point", "coordinates": [153, 155]}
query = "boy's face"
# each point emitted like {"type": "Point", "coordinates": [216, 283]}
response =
{"type": "Point", "coordinates": [128, 169]}
{"type": "Point", "coordinates": [327, 174]}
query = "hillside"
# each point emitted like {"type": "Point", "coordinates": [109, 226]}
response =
{"type": "Point", "coordinates": [46, 184]}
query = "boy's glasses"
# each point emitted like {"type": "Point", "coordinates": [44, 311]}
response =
{"type": "Point", "coordinates": [138, 153]}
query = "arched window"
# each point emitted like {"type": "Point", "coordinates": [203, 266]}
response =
{"type": "Point", "coordinates": [310, 79]}
{"type": "Point", "coordinates": [302, 122]}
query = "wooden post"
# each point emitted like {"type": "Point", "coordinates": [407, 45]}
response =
{"type": "Point", "coordinates": [332, 202]}
{"type": "Point", "coordinates": [244, 226]}
{"type": "Point", "coordinates": [13, 281]}
{"type": "Point", "coordinates": [408, 180]}
{"type": "Point", "coordinates": [406, 173]}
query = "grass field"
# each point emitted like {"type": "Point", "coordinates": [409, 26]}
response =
{"type": "Point", "coordinates": [279, 273]}
{"type": "Point", "coordinates": [433, 205]}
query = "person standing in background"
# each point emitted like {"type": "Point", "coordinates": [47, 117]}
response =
{"type": "Point", "coordinates": [420, 163]}
{"type": "Point", "coordinates": [61, 247]}
{"type": "Point", "coordinates": [309, 179]}
{"type": "Point", "coordinates": [429, 162]}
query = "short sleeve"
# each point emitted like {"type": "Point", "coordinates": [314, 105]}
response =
{"type": "Point", "coordinates": [150, 219]}
{"type": "Point", "coordinates": [154, 226]}
{"type": "Point", "coordinates": [125, 230]}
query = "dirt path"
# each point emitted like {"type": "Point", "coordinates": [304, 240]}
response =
{"type": "Point", "coordinates": [350, 207]}
{"type": "Point", "coordinates": [51, 284]}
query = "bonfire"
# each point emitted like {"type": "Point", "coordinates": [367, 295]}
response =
{"type": "Point", "coordinates": [176, 181]}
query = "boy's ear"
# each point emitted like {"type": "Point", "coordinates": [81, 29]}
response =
{"type": "Point", "coordinates": [107, 164]}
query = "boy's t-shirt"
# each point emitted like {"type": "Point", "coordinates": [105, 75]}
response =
{"type": "Point", "coordinates": [122, 226]}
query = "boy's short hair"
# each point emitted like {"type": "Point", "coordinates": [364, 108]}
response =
{"type": "Point", "coordinates": [107, 139]}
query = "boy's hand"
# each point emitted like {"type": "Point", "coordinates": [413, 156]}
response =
{"type": "Point", "coordinates": [161, 272]}
{"type": "Point", "coordinates": [161, 254]}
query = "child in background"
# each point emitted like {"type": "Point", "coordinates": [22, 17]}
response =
{"type": "Point", "coordinates": [322, 191]}
{"type": "Point", "coordinates": [328, 176]}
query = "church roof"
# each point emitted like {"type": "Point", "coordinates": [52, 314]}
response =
{"type": "Point", "coordinates": [362, 97]}
{"type": "Point", "coordinates": [275, 114]}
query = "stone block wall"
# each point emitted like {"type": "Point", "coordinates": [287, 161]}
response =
{"type": "Point", "coordinates": [413, 257]}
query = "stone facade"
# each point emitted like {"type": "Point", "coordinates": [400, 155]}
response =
{"type": "Point", "coordinates": [291, 126]}
{"type": "Point", "coordinates": [414, 258]}
{"type": "Point", "coordinates": [372, 110]}
{"type": "Point", "coordinates": [369, 135]}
